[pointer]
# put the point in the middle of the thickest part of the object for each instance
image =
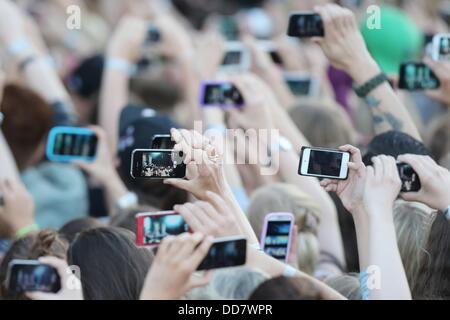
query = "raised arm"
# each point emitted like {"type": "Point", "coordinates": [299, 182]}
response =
{"type": "Point", "coordinates": [344, 46]}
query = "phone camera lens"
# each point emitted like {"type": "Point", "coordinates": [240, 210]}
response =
{"type": "Point", "coordinates": [180, 154]}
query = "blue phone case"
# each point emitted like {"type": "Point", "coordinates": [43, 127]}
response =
{"type": "Point", "coordinates": [67, 130]}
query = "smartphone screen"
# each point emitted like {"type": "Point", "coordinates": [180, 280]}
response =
{"type": "Point", "coordinates": [417, 76]}
{"type": "Point", "coordinates": [157, 164]}
{"type": "Point", "coordinates": [221, 94]}
{"type": "Point", "coordinates": [67, 143]}
{"type": "Point", "coordinates": [163, 141]}
{"type": "Point", "coordinates": [325, 163]}
{"type": "Point", "coordinates": [302, 25]}
{"type": "Point", "coordinates": [232, 58]}
{"type": "Point", "coordinates": [277, 237]}
{"type": "Point", "coordinates": [299, 87]}
{"type": "Point", "coordinates": [152, 228]}
{"type": "Point", "coordinates": [444, 48]}
{"type": "Point", "coordinates": [410, 179]}
{"type": "Point", "coordinates": [31, 275]}
{"type": "Point", "coordinates": [225, 252]}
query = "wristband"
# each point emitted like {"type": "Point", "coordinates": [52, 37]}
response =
{"type": "Point", "coordinates": [121, 65]}
{"type": "Point", "coordinates": [127, 201]}
{"type": "Point", "coordinates": [26, 230]}
{"type": "Point", "coordinates": [256, 246]}
{"type": "Point", "coordinates": [289, 271]}
{"type": "Point", "coordinates": [370, 85]}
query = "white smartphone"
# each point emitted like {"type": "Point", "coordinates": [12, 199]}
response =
{"type": "Point", "coordinates": [441, 47]}
{"type": "Point", "coordinates": [302, 84]}
{"type": "Point", "coordinates": [236, 57]}
{"type": "Point", "coordinates": [324, 163]}
{"type": "Point", "coordinates": [276, 235]}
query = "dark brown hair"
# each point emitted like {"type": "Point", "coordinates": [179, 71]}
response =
{"type": "Point", "coordinates": [28, 119]}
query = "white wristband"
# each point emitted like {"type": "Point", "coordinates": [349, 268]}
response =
{"type": "Point", "coordinates": [289, 271]}
{"type": "Point", "coordinates": [256, 246]}
{"type": "Point", "coordinates": [127, 201]}
{"type": "Point", "coordinates": [121, 65]}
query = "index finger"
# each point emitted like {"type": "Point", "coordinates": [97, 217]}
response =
{"type": "Point", "coordinates": [355, 152]}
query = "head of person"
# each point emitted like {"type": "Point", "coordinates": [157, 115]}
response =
{"type": "Point", "coordinates": [83, 84]}
{"type": "Point", "coordinates": [287, 288]}
{"type": "Point", "coordinates": [137, 127]}
{"type": "Point", "coordinates": [112, 266]}
{"type": "Point", "coordinates": [70, 230]}
{"type": "Point", "coordinates": [28, 119]}
{"type": "Point", "coordinates": [126, 219]}
{"type": "Point", "coordinates": [438, 139]}
{"type": "Point", "coordinates": [346, 284]}
{"type": "Point", "coordinates": [411, 226]}
{"type": "Point", "coordinates": [31, 247]}
{"type": "Point", "coordinates": [229, 284]}
{"type": "Point", "coordinates": [394, 143]}
{"type": "Point", "coordinates": [433, 281]}
{"type": "Point", "coordinates": [323, 126]}
{"type": "Point", "coordinates": [288, 198]}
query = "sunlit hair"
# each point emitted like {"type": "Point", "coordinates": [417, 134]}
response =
{"type": "Point", "coordinates": [289, 198]}
{"type": "Point", "coordinates": [346, 284]}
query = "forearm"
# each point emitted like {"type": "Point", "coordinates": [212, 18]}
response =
{"type": "Point", "coordinates": [289, 130]}
{"type": "Point", "coordinates": [384, 254]}
{"type": "Point", "coordinates": [191, 84]}
{"type": "Point", "coordinates": [113, 98]}
{"type": "Point", "coordinates": [388, 112]}
{"type": "Point", "coordinates": [274, 78]}
{"type": "Point", "coordinates": [362, 237]}
{"type": "Point", "coordinates": [115, 189]}
{"type": "Point", "coordinates": [8, 168]}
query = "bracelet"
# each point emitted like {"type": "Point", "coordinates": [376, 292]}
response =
{"type": "Point", "coordinates": [121, 65]}
{"type": "Point", "coordinates": [18, 46]}
{"type": "Point", "coordinates": [26, 230]}
{"type": "Point", "coordinates": [370, 85]}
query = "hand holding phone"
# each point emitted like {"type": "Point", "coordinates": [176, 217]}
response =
{"type": "Point", "coordinates": [324, 163]}
{"type": "Point", "coordinates": [276, 236]}
{"type": "Point", "coordinates": [417, 76]}
{"type": "Point", "coordinates": [152, 228]}
{"type": "Point", "coordinates": [305, 24]}
{"type": "Point", "coordinates": [157, 164]}
{"type": "Point", "coordinates": [66, 144]}
{"type": "Point", "coordinates": [236, 58]}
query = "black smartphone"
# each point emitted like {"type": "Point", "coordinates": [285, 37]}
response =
{"type": "Point", "coordinates": [220, 94]}
{"type": "Point", "coordinates": [410, 179]}
{"type": "Point", "coordinates": [32, 275]}
{"type": "Point", "coordinates": [305, 24]}
{"type": "Point", "coordinates": [225, 252]}
{"type": "Point", "coordinates": [417, 76]}
{"type": "Point", "coordinates": [162, 141]}
{"type": "Point", "coordinates": [157, 164]}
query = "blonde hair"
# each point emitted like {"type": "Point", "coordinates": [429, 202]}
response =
{"type": "Point", "coordinates": [412, 225]}
{"type": "Point", "coordinates": [346, 284]}
{"type": "Point", "coordinates": [281, 197]}
{"type": "Point", "coordinates": [324, 125]}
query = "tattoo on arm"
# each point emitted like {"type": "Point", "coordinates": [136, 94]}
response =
{"type": "Point", "coordinates": [381, 118]}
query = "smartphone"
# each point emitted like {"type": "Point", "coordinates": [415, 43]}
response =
{"type": "Point", "coordinates": [305, 24]}
{"type": "Point", "coordinates": [162, 141]}
{"type": "Point", "coordinates": [302, 84]}
{"type": "Point", "coordinates": [220, 94]}
{"type": "Point", "coordinates": [276, 235]}
{"type": "Point", "coordinates": [441, 47]}
{"type": "Point", "coordinates": [67, 144]}
{"type": "Point", "coordinates": [151, 228]}
{"type": "Point", "coordinates": [271, 49]}
{"type": "Point", "coordinates": [236, 57]}
{"type": "Point", "coordinates": [410, 179]}
{"type": "Point", "coordinates": [417, 76]}
{"type": "Point", "coordinates": [157, 164]}
{"type": "Point", "coordinates": [324, 163]}
{"type": "Point", "coordinates": [32, 275]}
{"type": "Point", "coordinates": [225, 252]}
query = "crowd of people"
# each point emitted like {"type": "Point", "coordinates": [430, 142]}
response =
{"type": "Point", "coordinates": [358, 238]}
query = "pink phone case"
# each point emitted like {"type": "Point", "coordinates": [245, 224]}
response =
{"type": "Point", "coordinates": [269, 217]}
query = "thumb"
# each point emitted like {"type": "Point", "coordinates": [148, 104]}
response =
{"type": "Point", "coordinates": [179, 183]}
{"type": "Point", "coordinates": [197, 280]}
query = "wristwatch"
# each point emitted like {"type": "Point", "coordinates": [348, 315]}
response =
{"type": "Point", "coordinates": [370, 85]}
